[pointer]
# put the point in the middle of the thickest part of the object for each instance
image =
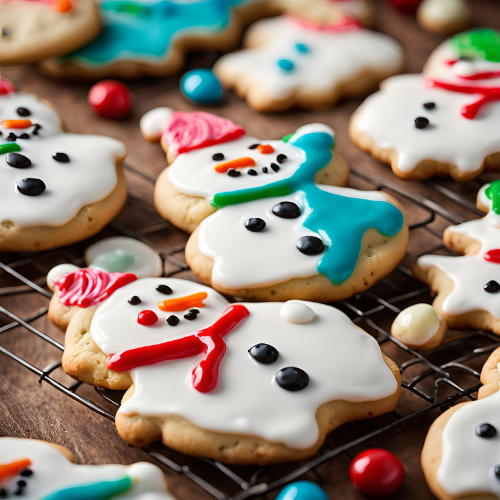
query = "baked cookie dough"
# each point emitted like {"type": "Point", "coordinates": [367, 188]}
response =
{"type": "Point", "coordinates": [56, 188]}
{"type": "Point", "coordinates": [32, 30]}
{"type": "Point", "coordinates": [231, 382]}
{"type": "Point", "coordinates": [445, 17]}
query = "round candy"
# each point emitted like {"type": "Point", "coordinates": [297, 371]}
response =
{"type": "Point", "coordinates": [110, 99]}
{"type": "Point", "coordinates": [406, 6]}
{"type": "Point", "coordinates": [295, 311]}
{"type": "Point", "coordinates": [302, 490]}
{"type": "Point", "coordinates": [147, 318]}
{"type": "Point", "coordinates": [201, 86]}
{"type": "Point", "coordinates": [376, 472]}
{"type": "Point", "coordinates": [6, 87]}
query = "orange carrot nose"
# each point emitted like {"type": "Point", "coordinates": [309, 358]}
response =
{"type": "Point", "coordinates": [222, 168]}
{"type": "Point", "coordinates": [183, 303]}
{"type": "Point", "coordinates": [63, 6]}
{"type": "Point", "coordinates": [16, 123]}
{"type": "Point", "coordinates": [265, 149]}
{"type": "Point", "coordinates": [13, 468]}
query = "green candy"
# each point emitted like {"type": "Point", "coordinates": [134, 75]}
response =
{"type": "Point", "coordinates": [115, 261]}
{"type": "Point", "coordinates": [9, 148]}
{"type": "Point", "coordinates": [493, 193]}
{"type": "Point", "coordinates": [481, 43]}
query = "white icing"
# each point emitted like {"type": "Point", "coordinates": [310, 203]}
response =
{"type": "Point", "coordinates": [342, 361]}
{"type": "Point", "coordinates": [492, 217]}
{"type": "Point", "coordinates": [333, 58]}
{"type": "Point", "coordinates": [58, 272]}
{"type": "Point", "coordinates": [147, 262]}
{"type": "Point", "coordinates": [295, 311]}
{"type": "Point", "coordinates": [388, 117]}
{"type": "Point", "coordinates": [89, 177]}
{"type": "Point", "coordinates": [444, 11]}
{"type": "Point", "coordinates": [468, 461]}
{"type": "Point", "coordinates": [52, 471]}
{"type": "Point", "coordinates": [357, 8]}
{"type": "Point", "coordinates": [416, 325]}
{"type": "Point", "coordinates": [246, 259]}
{"type": "Point", "coordinates": [153, 122]}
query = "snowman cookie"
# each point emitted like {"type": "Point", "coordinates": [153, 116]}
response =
{"type": "Point", "coordinates": [442, 122]}
{"type": "Point", "coordinates": [289, 61]}
{"type": "Point", "coordinates": [38, 470]}
{"type": "Point", "coordinates": [215, 163]}
{"type": "Point", "coordinates": [461, 454]}
{"type": "Point", "coordinates": [32, 30]}
{"type": "Point", "coordinates": [319, 243]}
{"type": "Point", "coordinates": [245, 383]}
{"type": "Point", "coordinates": [56, 188]}
{"type": "Point", "coordinates": [467, 286]}
{"type": "Point", "coordinates": [111, 263]}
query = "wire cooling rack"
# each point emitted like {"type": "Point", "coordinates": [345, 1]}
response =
{"type": "Point", "coordinates": [434, 379]}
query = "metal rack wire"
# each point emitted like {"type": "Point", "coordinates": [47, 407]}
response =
{"type": "Point", "coordinates": [435, 379]}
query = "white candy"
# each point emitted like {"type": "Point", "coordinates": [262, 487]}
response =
{"type": "Point", "coordinates": [416, 325]}
{"type": "Point", "coordinates": [58, 272]}
{"type": "Point", "coordinates": [295, 311]}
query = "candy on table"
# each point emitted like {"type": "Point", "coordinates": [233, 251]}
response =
{"type": "Point", "coordinates": [444, 16]}
{"type": "Point", "coordinates": [110, 99]}
{"type": "Point", "coordinates": [302, 490]}
{"type": "Point", "coordinates": [201, 86]}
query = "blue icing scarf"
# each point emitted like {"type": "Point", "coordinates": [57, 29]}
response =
{"type": "Point", "coordinates": [340, 220]}
{"type": "Point", "coordinates": [133, 29]}
{"type": "Point", "coordinates": [101, 490]}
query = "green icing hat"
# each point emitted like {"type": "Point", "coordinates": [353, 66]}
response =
{"type": "Point", "coordinates": [483, 43]}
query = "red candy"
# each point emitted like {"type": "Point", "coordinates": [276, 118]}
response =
{"type": "Point", "coordinates": [376, 472]}
{"type": "Point", "coordinates": [6, 87]}
{"type": "Point", "coordinates": [406, 6]}
{"type": "Point", "coordinates": [110, 99]}
{"type": "Point", "coordinates": [147, 318]}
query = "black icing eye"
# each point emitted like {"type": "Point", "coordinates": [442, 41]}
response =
{"type": "Point", "coordinates": [233, 173]}
{"type": "Point", "coordinates": [252, 172]}
{"type": "Point", "coordinates": [190, 316]}
{"type": "Point", "coordinates": [264, 353]}
{"type": "Point", "coordinates": [275, 167]}
{"type": "Point", "coordinates": [253, 146]}
{"type": "Point", "coordinates": [61, 157]}
{"type": "Point", "coordinates": [217, 157]}
{"type": "Point", "coordinates": [264, 170]}
{"type": "Point", "coordinates": [429, 105]}
{"type": "Point", "coordinates": [164, 289]}
{"type": "Point", "coordinates": [26, 473]}
{"type": "Point", "coordinates": [255, 224]}
{"type": "Point", "coordinates": [173, 320]}
{"type": "Point", "coordinates": [287, 210]}
{"type": "Point", "coordinates": [310, 245]}
{"type": "Point", "coordinates": [292, 379]}
{"type": "Point", "coordinates": [492, 287]}
{"type": "Point", "coordinates": [134, 300]}
{"type": "Point", "coordinates": [486, 431]}
{"type": "Point", "coordinates": [421, 122]}
{"type": "Point", "coordinates": [31, 187]}
{"type": "Point", "coordinates": [5, 31]}
{"type": "Point", "coordinates": [281, 158]}
{"type": "Point", "coordinates": [23, 111]}
{"type": "Point", "coordinates": [24, 135]}
{"type": "Point", "coordinates": [17, 160]}
{"type": "Point", "coordinates": [465, 58]}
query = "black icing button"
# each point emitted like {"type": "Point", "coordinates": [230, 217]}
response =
{"type": "Point", "coordinates": [233, 173]}
{"type": "Point", "coordinates": [275, 167]}
{"type": "Point", "coordinates": [492, 287]}
{"type": "Point", "coordinates": [292, 379]}
{"type": "Point", "coordinates": [264, 353]}
{"type": "Point", "coordinates": [164, 289]}
{"type": "Point", "coordinates": [310, 245]}
{"type": "Point", "coordinates": [486, 431]}
{"type": "Point", "coordinates": [429, 105]}
{"type": "Point", "coordinates": [173, 320]}
{"type": "Point", "coordinates": [134, 300]}
{"type": "Point", "coordinates": [255, 224]}
{"type": "Point", "coordinates": [23, 111]}
{"type": "Point", "coordinates": [11, 137]}
{"type": "Point", "coordinates": [61, 157]}
{"type": "Point", "coordinates": [253, 146]}
{"type": "Point", "coordinates": [18, 160]}
{"type": "Point", "coordinates": [218, 157]}
{"type": "Point", "coordinates": [287, 210]}
{"type": "Point", "coordinates": [31, 187]}
{"type": "Point", "coordinates": [281, 158]}
{"type": "Point", "coordinates": [252, 172]}
{"type": "Point", "coordinates": [190, 316]}
{"type": "Point", "coordinates": [36, 128]}
{"type": "Point", "coordinates": [421, 122]}
{"type": "Point", "coordinates": [265, 170]}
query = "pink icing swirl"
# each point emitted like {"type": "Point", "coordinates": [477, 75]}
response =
{"type": "Point", "coordinates": [187, 131]}
{"type": "Point", "coordinates": [346, 23]}
{"type": "Point", "coordinates": [89, 287]}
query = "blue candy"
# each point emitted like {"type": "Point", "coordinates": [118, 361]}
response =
{"type": "Point", "coordinates": [302, 490]}
{"type": "Point", "coordinates": [201, 86]}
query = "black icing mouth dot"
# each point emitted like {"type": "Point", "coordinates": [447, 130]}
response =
{"type": "Point", "coordinates": [275, 167]}
{"type": "Point", "coordinates": [26, 473]}
{"type": "Point", "coordinates": [31, 187]}
{"type": "Point", "coordinates": [173, 320]}
{"type": "Point", "coordinates": [24, 135]}
{"type": "Point", "coordinates": [21, 484]}
{"type": "Point", "coordinates": [497, 471]}
{"type": "Point", "coordinates": [190, 316]}
{"type": "Point", "coordinates": [486, 431]}
{"type": "Point", "coordinates": [492, 287]}
{"type": "Point", "coordinates": [252, 172]}
{"type": "Point", "coordinates": [194, 311]}
{"type": "Point", "coordinates": [134, 300]}
{"type": "Point", "coordinates": [253, 146]}
{"type": "Point", "coordinates": [287, 210]}
{"type": "Point", "coordinates": [164, 289]}
{"type": "Point", "coordinates": [218, 157]}
{"type": "Point", "coordinates": [61, 157]}
{"type": "Point", "coordinates": [310, 245]}
{"type": "Point", "coordinates": [18, 160]}
{"type": "Point", "coordinates": [421, 122]}
{"type": "Point", "coordinates": [11, 137]}
{"type": "Point", "coordinates": [292, 379]}
{"type": "Point", "coordinates": [264, 170]}
{"type": "Point", "coordinates": [36, 129]}
{"type": "Point", "coordinates": [23, 112]}
{"type": "Point", "coordinates": [429, 105]}
{"type": "Point", "coordinates": [264, 353]}
{"type": "Point", "coordinates": [233, 173]}
{"type": "Point", "coordinates": [255, 224]}
{"type": "Point", "coordinates": [281, 158]}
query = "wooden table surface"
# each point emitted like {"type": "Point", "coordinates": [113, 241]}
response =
{"type": "Point", "coordinates": [30, 409]}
